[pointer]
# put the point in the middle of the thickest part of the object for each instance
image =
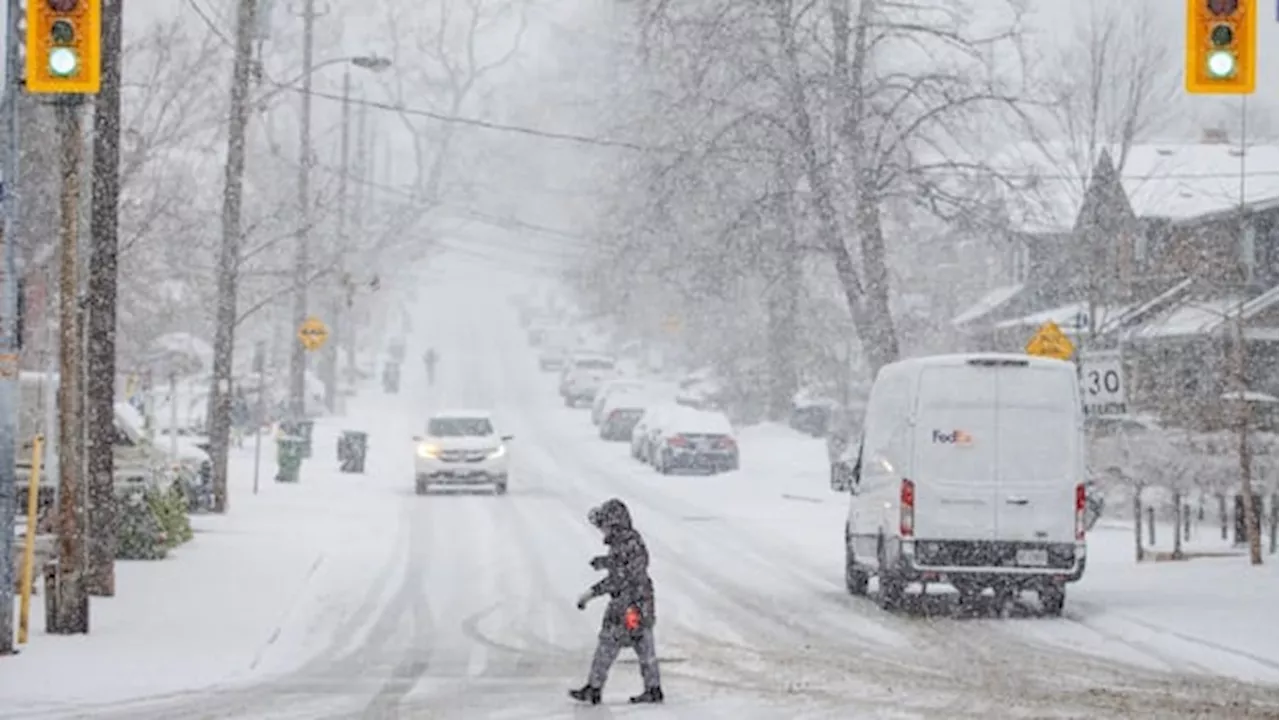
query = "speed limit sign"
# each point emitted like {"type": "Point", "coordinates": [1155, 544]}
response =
{"type": "Point", "coordinates": [1102, 384]}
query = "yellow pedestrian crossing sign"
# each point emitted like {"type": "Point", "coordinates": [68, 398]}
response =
{"type": "Point", "coordinates": [313, 333]}
{"type": "Point", "coordinates": [1049, 341]}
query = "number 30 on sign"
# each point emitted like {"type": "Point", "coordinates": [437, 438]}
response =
{"type": "Point", "coordinates": [1102, 383]}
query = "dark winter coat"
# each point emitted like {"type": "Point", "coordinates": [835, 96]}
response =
{"type": "Point", "coordinates": [627, 583]}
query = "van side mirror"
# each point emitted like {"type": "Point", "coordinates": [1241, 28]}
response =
{"type": "Point", "coordinates": [508, 438]}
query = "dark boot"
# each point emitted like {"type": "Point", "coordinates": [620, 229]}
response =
{"type": "Point", "coordinates": [650, 695]}
{"type": "Point", "coordinates": [586, 694]}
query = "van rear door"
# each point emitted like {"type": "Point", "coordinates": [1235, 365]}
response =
{"type": "Point", "coordinates": [1040, 454]}
{"type": "Point", "coordinates": [954, 453]}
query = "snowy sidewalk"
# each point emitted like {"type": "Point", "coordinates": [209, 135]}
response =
{"type": "Point", "coordinates": [258, 591]}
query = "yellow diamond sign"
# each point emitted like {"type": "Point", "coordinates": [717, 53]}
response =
{"type": "Point", "coordinates": [1049, 341]}
{"type": "Point", "coordinates": [313, 333]}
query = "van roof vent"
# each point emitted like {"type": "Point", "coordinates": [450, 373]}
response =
{"type": "Point", "coordinates": [998, 362]}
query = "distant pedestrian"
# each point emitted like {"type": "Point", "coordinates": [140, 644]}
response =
{"type": "Point", "coordinates": [429, 359]}
{"type": "Point", "coordinates": [630, 617]}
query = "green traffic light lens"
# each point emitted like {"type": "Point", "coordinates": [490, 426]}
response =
{"type": "Point", "coordinates": [63, 32]}
{"type": "Point", "coordinates": [1221, 65]}
{"type": "Point", "coordinates": [63, 62]}
{"type": "Point", "coordinates": [1222, 35]}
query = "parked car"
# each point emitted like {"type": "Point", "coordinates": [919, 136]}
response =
{"type": "Point", "coordinates": [584, 375]}
{"type": "Point", "coordinates": [642, 435]}
{"type": "Point", "coordinates": [617, 385]}
{"type": "Point", "coordinates": [971, 468]}
{"type": "Point", "coordinates": [557, 346]}
{"type": "Point", "coordinates": [621, 414]}
{"type": "Point", "coordinates": [695, 440]}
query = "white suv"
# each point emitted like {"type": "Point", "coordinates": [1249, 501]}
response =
{"type": "Point", "coordinates": [461, 448]}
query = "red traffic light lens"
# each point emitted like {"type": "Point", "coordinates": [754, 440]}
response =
{"type": "Point", "coordinates": [63, 6]}
{"type": "Point", "coordinates": [1223, 7]}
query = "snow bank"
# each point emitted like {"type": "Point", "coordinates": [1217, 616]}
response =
{"type": "Point", "coordinates": [256, 592]}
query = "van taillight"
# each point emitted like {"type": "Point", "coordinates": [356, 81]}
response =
{"type": "Point", "coordinates": [1082, 502]}
{"type": "Point", "coordinates": [907, 509]}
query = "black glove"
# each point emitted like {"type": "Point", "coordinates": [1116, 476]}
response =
{"type": "Point", "coordinates": [598, 563]}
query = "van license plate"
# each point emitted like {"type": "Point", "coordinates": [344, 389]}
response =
{"type": "Point", "coordinates": [1032, 558]}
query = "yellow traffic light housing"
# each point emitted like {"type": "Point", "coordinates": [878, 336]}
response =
{"type": "Point", "coordinates": [64, 50]}
{"type": "Point", "coordinates": [1222, 47]}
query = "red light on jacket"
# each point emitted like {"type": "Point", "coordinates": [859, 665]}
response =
{"type": "Point", "coordinates": [907, 509]}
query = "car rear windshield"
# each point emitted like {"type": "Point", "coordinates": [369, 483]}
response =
{"type": "Point", "coordinates": [593, 364]}
{"type": "Point", "coordinates": [459, 427]}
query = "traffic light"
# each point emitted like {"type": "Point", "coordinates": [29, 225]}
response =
{"type": "Point", "coordinates": [64, 51]}
{"type": "Point", "coordinates": [1222, 47]}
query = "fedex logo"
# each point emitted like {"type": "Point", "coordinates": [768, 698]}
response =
{"type": "Point", "coordinates": [955, 437]}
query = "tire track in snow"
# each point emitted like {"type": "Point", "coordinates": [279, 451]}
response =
{"type": "Point", "coordinates": [992, 647]}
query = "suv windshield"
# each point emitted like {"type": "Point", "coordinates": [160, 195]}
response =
{"type": "Point", "coordinates": [593, 364]}
{"type": "Point", "coordinates": [459, 427]}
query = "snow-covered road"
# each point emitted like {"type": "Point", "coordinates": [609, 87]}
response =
{"type": "Point", "coordinates": [473, 615]}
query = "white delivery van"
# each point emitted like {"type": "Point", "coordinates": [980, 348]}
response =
{"type": "Point", "coordinates": [971, 472]}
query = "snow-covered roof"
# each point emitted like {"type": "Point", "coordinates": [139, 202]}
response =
{"type": "Point", "coordinates": [1072, 318]}
{"type": "Point", "coordinates": [1198, 317]}
{"type": "Point", "coordinates": [986, 304]}
{"type": "Point", "coordinates": [1252, 396]}
{"type": "Point", "coordinates": [1171, 181]}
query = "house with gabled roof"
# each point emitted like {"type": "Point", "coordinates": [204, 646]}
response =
{"type": "Point", "coordinates": [1183, 232]}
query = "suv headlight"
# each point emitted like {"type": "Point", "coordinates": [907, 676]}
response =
{"type": "Point", "coordinates": [498, 451]}
{"type": "Point", "coordinates": [429, 452]}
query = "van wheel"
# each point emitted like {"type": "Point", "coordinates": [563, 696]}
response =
{"type": "Point", "coordinates": [855, 578]}
{"type": "Point", "coordinates": [1052, 599]}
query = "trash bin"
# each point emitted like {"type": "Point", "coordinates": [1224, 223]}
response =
{"type": "Point", "coordinates": [391, 377]}
{"type": "Point", "coordinates": [352, 447]}
{"type": "Point", "coordinates": [300, 429]}
{"type": "Point", "coordinates": [289, 455]}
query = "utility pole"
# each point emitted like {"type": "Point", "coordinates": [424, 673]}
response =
{"type": "Point", "coordinates": [9, 342]}
{"type": "Point", "coordinates": [302, 260]}
{"type": "Point", "coordinates": [72, 606]}
{"type": "Point", "coordinates": [100, 383]}
{"type": "Point", "coordinates": [336, 319]}
{"type": "Point", "coordinates": [219, 423]}
{"type": "Point", "coordinates": [357, 222]}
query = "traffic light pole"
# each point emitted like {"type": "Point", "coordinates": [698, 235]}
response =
{"type": "Point", "coordinates": [71, 608]}
{"type": "Point", "coordinates": [302, 259]}
{"type": "Point", "coordinates": [9, 341]}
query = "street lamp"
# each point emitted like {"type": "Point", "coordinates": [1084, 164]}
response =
{"type": "Point", "coordinates": [302, 260]}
